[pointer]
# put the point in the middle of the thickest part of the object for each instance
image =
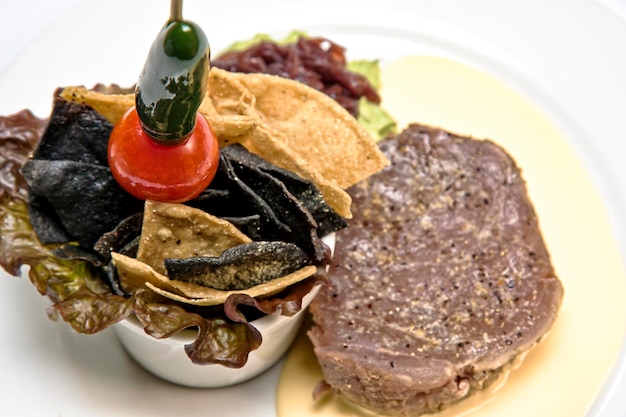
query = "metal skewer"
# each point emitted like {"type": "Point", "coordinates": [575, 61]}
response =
{"type": "Point", "coordinates": [176, 10]}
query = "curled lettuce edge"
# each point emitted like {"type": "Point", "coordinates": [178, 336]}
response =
{"type": "Point", "coordinates": [83, 300]}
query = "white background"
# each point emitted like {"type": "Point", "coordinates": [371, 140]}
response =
{"type": "Point", "coordinates": [23, 20]}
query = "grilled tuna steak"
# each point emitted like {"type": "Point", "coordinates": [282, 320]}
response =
{"type": "Point", "coordinates": [440, 280]}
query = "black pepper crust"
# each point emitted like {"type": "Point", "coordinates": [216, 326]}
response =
{"type": "Point", "coordinates": [441, 278]}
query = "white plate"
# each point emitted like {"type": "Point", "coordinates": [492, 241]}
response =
{"type": "Point", "coordinates": [568, 58]}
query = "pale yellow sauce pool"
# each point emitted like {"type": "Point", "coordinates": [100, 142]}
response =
{"type": "Point", "coordinates": [564, 374]}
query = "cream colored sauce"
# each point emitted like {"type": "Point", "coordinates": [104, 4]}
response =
{"type": "Point", "coordinates": [565, 372]}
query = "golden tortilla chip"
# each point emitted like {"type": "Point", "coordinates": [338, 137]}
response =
{"type": "Point", "coordinates": [227, 96]}
{"type": "Point", "coordinates": [179, 231]}
{"type": "Point", "coordinates": [111, 106]}
{"type": "Point", "coordinates": [266, 146]}
{"type": "Point", "coordinates": [135, 274]}
{"type": "Point", "coordinates": [314, 127]}
{"type": "Point", "coordinates": [229, 107]}
{"type": "Point", "coordinates": [210, 297]}
{"type": "Point", "coordinates": [228, 126]}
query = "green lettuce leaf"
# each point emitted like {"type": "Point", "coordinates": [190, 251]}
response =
{"type": "Point", "coordinates": [375, 120]}
{"type": "Point", "coordinates": [17, 239]}
{"type": "Point", "coordinates": [73, 285]}
{"type": "Point", "coordinates": [371, 115]}
{"type": "Point", "coordinates": [370, 69]}
{"type": "Point", "coordinates": [258, 38]}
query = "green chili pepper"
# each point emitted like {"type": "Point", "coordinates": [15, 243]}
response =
{"type": "Point", "coordinates": [173, 82]}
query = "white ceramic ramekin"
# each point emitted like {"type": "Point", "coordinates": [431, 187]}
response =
{"type": "Point", "coordinates": [166, 358]}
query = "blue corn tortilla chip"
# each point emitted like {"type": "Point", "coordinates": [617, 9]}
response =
{"type": "Point", "coordinates": [218, 201]}
{"type": "Point", "coordinates": [328, 221]}
{"type": "Point", "coordinates": [240, 267]}
{"type": "Point", "coordinates": [45, 222]}
{"type": "Point", "coordinates": [248, 225]}
{"type": "Point", "coordinates": [230, 196]}
{"type": "Point", "coordinates": [73, 252]}
{"type": "Point", "coordinates": [123, 239]}
{"type": "Point", "coordinates": [283, 217]}
{"type": "Point", "coordinates": [75, 133]}
{"type": "Point", "coordinates": [72, 194]}
{"type": "Point", "coordinates": [125, 234]}
{"type": "Point", "coordinates": [302, 226]}
{"type": "Point", "coordinates": [85, 198]}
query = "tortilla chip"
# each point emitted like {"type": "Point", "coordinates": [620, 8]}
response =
{"type": "Point", "coordinates": [228, 93]}
{"type": "Point", "coordinates": [301, 226]}
{"type": "Point", "coordinates": [124, 238]}
{"type": "Point", "coordinates": [240, 267]}
{"type": "Point", "coordinates": [222, 204]}
{"type": "Point", "coordinates": [303, 190]}
{"type": "Point", "coordinates": [81, 199]}
{"type": "Point", "coordinates": [229, 107]}
{"type": "Point", "coordinates": [135, 274]}
{"type": "Point", "coordinates": [211, 297]}
{"type": "Point", "coordinates": [315, 127]}
{"type": "Point", "coordinates": [179, 231]}
{"type": "Point", "coordinates": [229, 128]}
{"type": "Point", "coordinates": [248, 225]}
{"type": "Point", "coordinates": [243, 200]}
{"type": "Point", "coordinates": [111, 106]}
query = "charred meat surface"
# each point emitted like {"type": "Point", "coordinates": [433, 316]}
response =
{"type": "Point", "coordinates": [440, 280]}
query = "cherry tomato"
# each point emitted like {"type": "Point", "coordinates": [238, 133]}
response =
{"type": "Point", "coordinates": [149, 169]}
